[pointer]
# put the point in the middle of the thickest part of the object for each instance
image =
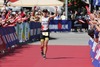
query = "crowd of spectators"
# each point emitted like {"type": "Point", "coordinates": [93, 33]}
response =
{"type": "Point", "coordinates": [94, 24]}
{"type": "Point", "coordinates": [8, 17]}
{"type": "Point", "coordinates": [78, 18]}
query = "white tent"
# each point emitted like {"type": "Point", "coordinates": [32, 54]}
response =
{"type": "Point", "coordinates": [51, 8]}
{"type": "Point", "coordinates": [49, 3]}
{"type": "Point", "coordinates": [31, 3]}
{"type": "Point", "coordinates": [1, 2]}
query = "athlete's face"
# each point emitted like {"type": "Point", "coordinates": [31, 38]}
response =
{"type": "Point", "coordinates": [45, 14]}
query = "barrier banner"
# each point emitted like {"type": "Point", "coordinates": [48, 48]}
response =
{"type": "Point", "coordinates": [35, 29]}
{"type": "Point", "coordinates": [53, 26]}
{"type": "Point", "coordinates": [9, 36]}
{"type": "Point", "coordinates": [66, 25]}
{"type": "Point", "coordinates": [94, 52]}
{"type": "Point", "coordinates": [90, 42]}
{"type": "Point", "coordinates": [60, 25]}
{"type": "Point", "coordinates": [2, 44]}
{"type": "Point", "coordinates": [4, 36]}
{"type": "Point", "coordinates": [96, 2]}
{"type": "Point", "coordinates": [32, 28]}
{"type": "Point", "coordinates": [38, 30]}
{"type": "Point", "coordinates": [92, 48]}
{"type": "Point", "coordinates": [96, 61]}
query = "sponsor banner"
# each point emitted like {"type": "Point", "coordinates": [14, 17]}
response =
{"type": "Point", "coordinates": [60, 25]}
{"type": "Point", "coordinates": [9, 36]}
{"type": "Point", "coordinates": [35, 30]}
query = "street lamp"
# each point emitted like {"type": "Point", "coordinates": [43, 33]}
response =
{"type": "Point", "coordinates": [66, 8]}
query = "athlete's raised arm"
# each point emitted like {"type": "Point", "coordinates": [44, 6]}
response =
{"type": "Point", "coordinates": [52, 16]}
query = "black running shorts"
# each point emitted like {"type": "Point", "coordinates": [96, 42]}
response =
{"type": "Point", "coordinates": [44, 35]}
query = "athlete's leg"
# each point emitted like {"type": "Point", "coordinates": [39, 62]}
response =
{"type": "Point", "coordinates": [45, 46]}
{"type": "Point", "coordinates": [42, 44]}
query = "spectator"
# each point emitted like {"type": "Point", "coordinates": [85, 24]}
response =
{"type": "Point", "coordinates": [0, 21]}
{"type": "Point", "coordinates": [57, 17]}
{"type": "Point", "coordinates": [4, 8]}
{"type": "Point", "coordinates": [63, 17]}
{"type": "Point", "coordinates": [3, 15]}
{"type": "Point", "coordinates": [78, 22]}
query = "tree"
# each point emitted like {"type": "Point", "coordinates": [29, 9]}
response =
{"type": "Point", "coordinates": [76, 4]}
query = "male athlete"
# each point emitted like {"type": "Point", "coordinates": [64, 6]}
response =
{"type": "Point", "coordinates": [45, 18]}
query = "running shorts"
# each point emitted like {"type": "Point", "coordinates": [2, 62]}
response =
{"type": "Point", "coordinates": [44, 35]}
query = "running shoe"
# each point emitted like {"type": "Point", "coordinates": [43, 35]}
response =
{"type": "Point", "coordinates": [42, 52]}
{"type": "Point", "coordinates": [44, 56]}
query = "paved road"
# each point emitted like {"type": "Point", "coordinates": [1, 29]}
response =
{"type": "Point", "coordinates": [57, 56]}
{"type": "Point", "coordinates": [67, 38]}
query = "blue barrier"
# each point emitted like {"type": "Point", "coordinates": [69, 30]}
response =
{"type": "Point", "coordinates": [95, 52]}
{"type": "Point", "coordinates": [60, 25]}
{"type": "Point", "coordinates": [25, 31]}
{"type": "Point", "coordinates": [38, 30]}
{"type": "Point", "coordinates": [35, 30]}
{"type": "Point", "coordinates": [96, 2]}
{"type": "Point", "coordinates": [2, 44]}
{"type": "Point", "coordinates": [9, 36]}
{"type": "Point", "coordinates": [96, 63]}
{"type": "Point", "coordinates": [32, 27]}
{"type": "Point", "coordinates": [90, 42]}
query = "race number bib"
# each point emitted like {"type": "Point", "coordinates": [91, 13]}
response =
{"type": "Point", "coordinates": [45, 33]}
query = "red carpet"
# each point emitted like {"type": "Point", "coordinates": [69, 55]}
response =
{"type": "Point", "coordinates": [57, 56]}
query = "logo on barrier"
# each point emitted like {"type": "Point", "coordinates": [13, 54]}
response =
{"type": "Point", "coordinates": [15, 36]}
{"type": "Point", "coordinates": [34, 31]}
{"type": "Point", "coordinates": [7, 38]}
{"type": "Point", "coordinates": [38, 30]}
{"type": "Point", "coordinates": [64, 26]}
{"type": "Point", "coordinates": [4, 39]}
{"type": "Point", "coordinates": [31, 32]}
{"type": "Point", "coordinates": [11, 37]}
{"type": "Point", "coordinates": [53, 26]}
{"type": "Point", "coordinates": [60, 25]}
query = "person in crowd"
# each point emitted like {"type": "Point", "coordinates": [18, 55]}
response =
{"type": "Point", "coordinates": [94, 23]}
{"type": "Point", "coordinates": [22, 13]}
{"type": "Point", "coordinates": [37, 17]}
{"type": "Point", "coordinates": [0, 20]}
{"type": "Point", "coordinates": [31, 16]}
{"type": "Point", "coordinates": [3, 15]}
{"type": "Point", "coordinates": [4, 8]}
{"type": "Point", "coordinates": [34, 15]}
{"type": "Point", "coordinates": [73, 15]}
{"type": "Point", "coordinates": [63, 16]}
{"type": "Point", "coordinates": [78, 21]}
{"type": "Point", "coordinates": [57, 17]}
{"type": "Point", "coordinates": [11, 20]}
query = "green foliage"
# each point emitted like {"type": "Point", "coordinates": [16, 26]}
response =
{"type": "Point", "coordinates": [75, 4]}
